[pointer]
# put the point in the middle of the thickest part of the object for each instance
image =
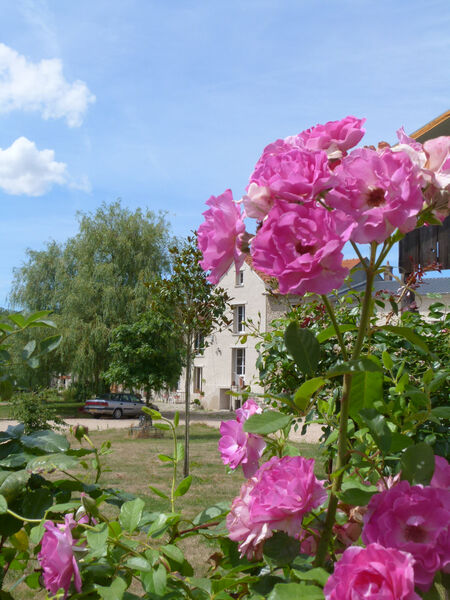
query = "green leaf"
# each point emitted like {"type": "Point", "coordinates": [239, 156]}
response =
{"type": "Point", "coordinates": [176, 418]}
{"type": "Point", "coordinates": [155, 415]}
{"type": "Point", "coordinates": [162, 426]}
{"type": "Point", "coordinates": [330, 332]}
{"type": "Point", "coordinates": [366, 389]}
{"type": "Point", "coordinates": [28, 349]}
{"type": "Point", "coordinates": [14, 484]}
{"type": "Point", "coordinates": [18, 320]}
{"type": "Point", "coordinates": [49, 462]}
{"type": "Point", "coordinates": [354, 492]}
{"type": "Point", "coordinates": [387, 360]}
{"type": "Point", "coordinates": [165, 458]}
{"type": "Point", "coordinates": [3, 505]}
{"type": "Point", "coordinates": [47, 441]}
{"type": "Point", "coordinates": [36, 502]}
{"type": "Point", "coordinates": [281, 549]}
{"type": "Point", "coordinates": [416, 464]}
{"type": "Point", "coordinates": [183, 486]}
{"type": "Point", "coordinates": [318, 575]}
{"type": "Point", "coordinates": [159, 492]}
{"type": "Point", "coordinates": [399, 442]}
{"type": "Point", "coordinates": [212, 513]}
{"type": "Point", "coordinates": [378, 428]}
{"type": "Point", "coordinates": [410, 335]}
{"type": "Point", "coordinates": [36, 533]}
{"type": "Point", "coordinates": [289, 591]}
{"type": "Point", "coordinates": [353, 366]}
{"type": "Point", "coordinates": [113, 592]}
{"type": "Point", "coordinates": [138, 563]}
{"type": "Point", "coordinates": [174, 553]}
{"type": "Point", "coordinates": [267, 422]}
{"type": "Point", "coordinates": [131, 513]}
{"type": "Point", "coordinates": [441, 412]}
{"type": "Point", "coordinates": [97, 539]}
{"type": "Point", "coordinates": [49, 344]}
{"type": "Point", "coordinates": [303, 395]}
{"type": "Point", "coordinates": [155, 582]}
{"type": "Point", "coordinates": [303, 347]}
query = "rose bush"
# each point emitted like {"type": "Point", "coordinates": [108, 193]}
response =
{"type": "Point", "coordinates": [377, 525]}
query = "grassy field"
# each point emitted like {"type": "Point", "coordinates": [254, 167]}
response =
{"type": "Point", "coordinates": [133, 465]}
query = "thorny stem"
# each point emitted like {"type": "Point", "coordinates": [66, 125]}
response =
{"type": "Point", "coordinates": [342, 450]}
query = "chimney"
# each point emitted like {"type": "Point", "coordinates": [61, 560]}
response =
{"type": "Point", "coordinates": [388, 275]}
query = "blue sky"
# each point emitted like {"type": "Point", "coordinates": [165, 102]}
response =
{"type": "Point", "coordinates": [164, 103]}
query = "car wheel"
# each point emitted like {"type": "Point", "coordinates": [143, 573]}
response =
{"type": "Point", "coordinates": [97, 416]}
{"type": "Point", "coordinates": [117, 414]}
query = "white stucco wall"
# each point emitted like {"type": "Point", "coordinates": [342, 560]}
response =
{"type": "Point", "coordinates": [217, 361]}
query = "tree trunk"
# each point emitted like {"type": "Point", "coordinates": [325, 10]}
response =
{"type": "Point", "coordinates": [187, 405]}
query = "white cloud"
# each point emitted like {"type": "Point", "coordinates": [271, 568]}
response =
{"type": "Point", "coordinates": [41, 86]}
{"type": "Point", "coordinates": [26, 170]}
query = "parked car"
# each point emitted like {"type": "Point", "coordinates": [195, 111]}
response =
{"type": "Point", "coordinates": [116, 405]}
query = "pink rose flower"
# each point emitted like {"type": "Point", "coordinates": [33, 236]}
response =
{"type": "Point", "coordinates": [282, 491]}
{"type": "Point", "coordinates": [295, 175]}
{"type": "Point", "coordinates": [249, 408]}
{"type": "Point", "coordinates": [441, 475]}
{"type": "Point", "coordinates": [437, 151]}
{"type": "Point", "coordinates": [237, 447]}
{"type": "Point", "coordinates": [257, 202]}
{"type": "Point", "coordinates": [57, 558]}
{"type": "Point", "coordinates": [335, 137]}
{"type": "Point", "coordinates": [414, 519]}
{"type": "Point", "coordinates": [242, 529]}
{"type": "Point", "coordinates": [302, 247]}
{"type": "Point", "coordinates": [372, 573]}
{"type": "Point", "coordinates": [380, 191]}
{"type": "Point", "coordinates": [220, 236]}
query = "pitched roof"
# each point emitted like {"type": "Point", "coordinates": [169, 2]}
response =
{"type": "Point", "coordinates": [349, 263]}
{"type": "Point", "coordinates": [435, 128]}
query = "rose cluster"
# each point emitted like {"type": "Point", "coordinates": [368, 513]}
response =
{"type": "Point", "coordinates": [311, 193]}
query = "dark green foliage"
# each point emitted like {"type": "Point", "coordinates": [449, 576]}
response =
{"type": "Point", "coordinates": [94, 283]}
{"type": "Point", "coordinates": [147, 353]}
{"type": "Point", "coordinates": [34, 412]}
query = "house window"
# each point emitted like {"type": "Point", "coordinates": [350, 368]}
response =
{"type": "Point", "coordinates": [198, 377]}
{"type": "Point", "coordinates": [239, 367]}
{"type": "Point", "coordinates": [240, 278]}
{"type": "Point", "coordinates": [239, 318]}
{"type": "Point", "coordinates": [199, 343]}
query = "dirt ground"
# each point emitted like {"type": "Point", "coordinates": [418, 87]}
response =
{"type": "Point", "coordinates": [212, 419]}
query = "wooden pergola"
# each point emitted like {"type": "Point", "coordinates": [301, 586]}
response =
{"type": "Point", "coordinates": [430, 243]}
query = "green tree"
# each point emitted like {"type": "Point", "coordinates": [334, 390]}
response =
{"type": "Point", "coordinates": [95, 282]}
{"type": "Point", "coordinates": [147, 353]}
{"type": "Point", "coordinates": [198, 309]}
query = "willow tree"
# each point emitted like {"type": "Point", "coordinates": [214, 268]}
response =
{"type": "Point", "coordinates": [95, 282]}
{"type": "Point", "coordinates": [197, 306]}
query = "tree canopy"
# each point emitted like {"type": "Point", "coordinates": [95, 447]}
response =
{"type": "Point", "coordinates": [95, 282]}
